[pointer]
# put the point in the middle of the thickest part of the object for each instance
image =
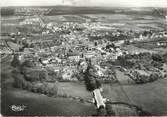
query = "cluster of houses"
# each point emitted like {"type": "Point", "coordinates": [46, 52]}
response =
{"type": "Point", "coordinates": [67, 43]}
{"type": "Point", "coordinates": [67, 58]}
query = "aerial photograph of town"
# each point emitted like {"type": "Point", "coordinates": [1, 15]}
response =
{"type": "Point", "coordinates": [83, 58]}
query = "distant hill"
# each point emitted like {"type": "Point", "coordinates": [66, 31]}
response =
{"type": "Point", "coordinates": [62, 10]}
{"type": "Point", "coordinates": [7, 11]}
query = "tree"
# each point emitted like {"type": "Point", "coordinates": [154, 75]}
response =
{"type": "Point", "coordinates": [101, 111]}
{"type": "Point", "coordinates": [32, 74]}
{"type": "Point", "coordinates": [165, 57]}
{"type": "Point", "coordinates": [98, 84]}
{"type": "Point", "coordinates": [95, 44]}
{"type": "Point", "coordinates": [15, 62]}
{"type": "Point", "coordinates": [157, 57]}
{"type": "Point", "coordinates": [90, 83]}
{"type": "Point", "coordinates": [28, 63]}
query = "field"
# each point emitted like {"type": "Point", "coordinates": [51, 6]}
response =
{"type": "Point", "coordinates": [137, 19]}
{"type": "Point", "coordinates": [117, 21]}
{"type": "Point", "coordinates": [37, 104]}
{"type": "Point", "coordinates": [151, 97]}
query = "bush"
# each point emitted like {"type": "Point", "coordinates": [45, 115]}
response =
{"type": "Point", "coordinates": [18, 79]}
{"type": "Point", "coordinates": [157, 64]}
{"type": "Point", "coordinates": [32, 75]}
{"type": "Point", "coordinates": [25, 85]}
{"type": "Point", "coordinates": [109, 110]}
{"type": "Point", "coordinates": [44, 88]}
{"type": "Point", "coordinates": [28, 63]}
{"type": "Point", "coordinates": [51, 90]}
{"type": "Point", "coordinates": [125, 62]}
{"type": "Point", "coordinates": [101, 111]}
{"type": "Point", "coordinates": [153, 77]}
{"type": "Point", "coordinates": [79, 76]}
{"type": "Point", "coordinates": [41, 89]}
{"type": "Point", "coordinates": [30, 86]}
{"type": "Point", "coordinates": [34, 89]}
{"type": "Point", "coordinates": [54, 89]}
{"type": "Point", "coordinates": [165, 58]}
{"type": "Point", "coordinates": [157, 57]}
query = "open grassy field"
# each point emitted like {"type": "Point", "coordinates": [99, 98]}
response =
{"type": "Point", "coordinates": [69, 88]}
{"type": "Point", "coordinates": [151, 96]}
{"type": "Point", "coordinates": [133, 49]}
{"type": "Point", "coordinates": [149, 45]}
{"type": "Point", "coordinates": [37, 104]}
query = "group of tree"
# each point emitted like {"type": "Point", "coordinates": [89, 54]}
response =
{"type": "Point", "coordinates": [92, 81]}
{"type": "Point", "coordinates": [140, 78]}
{"type": "Point", "coordinates": [7, 11]}
{"type": "Point", "coordinates": [27, 77]}
{"type": "Point", "coordinates": [142, 59]}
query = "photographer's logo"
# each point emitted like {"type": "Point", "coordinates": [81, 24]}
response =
{"type": "Point", "coordinates": [17, 108]}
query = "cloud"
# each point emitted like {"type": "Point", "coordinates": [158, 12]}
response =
{"type": "Point", "coordinates": [115, 3]}
{"type": "Point", "coordinates": [131, 3]}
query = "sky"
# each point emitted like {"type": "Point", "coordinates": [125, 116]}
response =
{"type": "Point", "coordinates": [112, 3]}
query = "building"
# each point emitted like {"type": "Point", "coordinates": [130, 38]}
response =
{"type": "Point", "coordinates": [98, 99]}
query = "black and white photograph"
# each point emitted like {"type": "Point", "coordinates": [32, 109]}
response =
{"type": "Point", "coordinates": [83, 57]}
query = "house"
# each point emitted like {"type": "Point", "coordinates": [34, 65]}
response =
{"type": "Point", "coordinates": [100, 70]}
{"type": "Point", "coordinates": [67, 74]}
{"type": "Point", "coordinates": [21, 58]}
{"type": "Point", "coordinates": [90, 54]}
{"type": "Point", "coordinates": [98, 99]}
{"type": "Point", "coordinates": [76, 58]}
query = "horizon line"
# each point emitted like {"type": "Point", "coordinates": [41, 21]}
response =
{"type": "Point", "coordinates": [84, 6]}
